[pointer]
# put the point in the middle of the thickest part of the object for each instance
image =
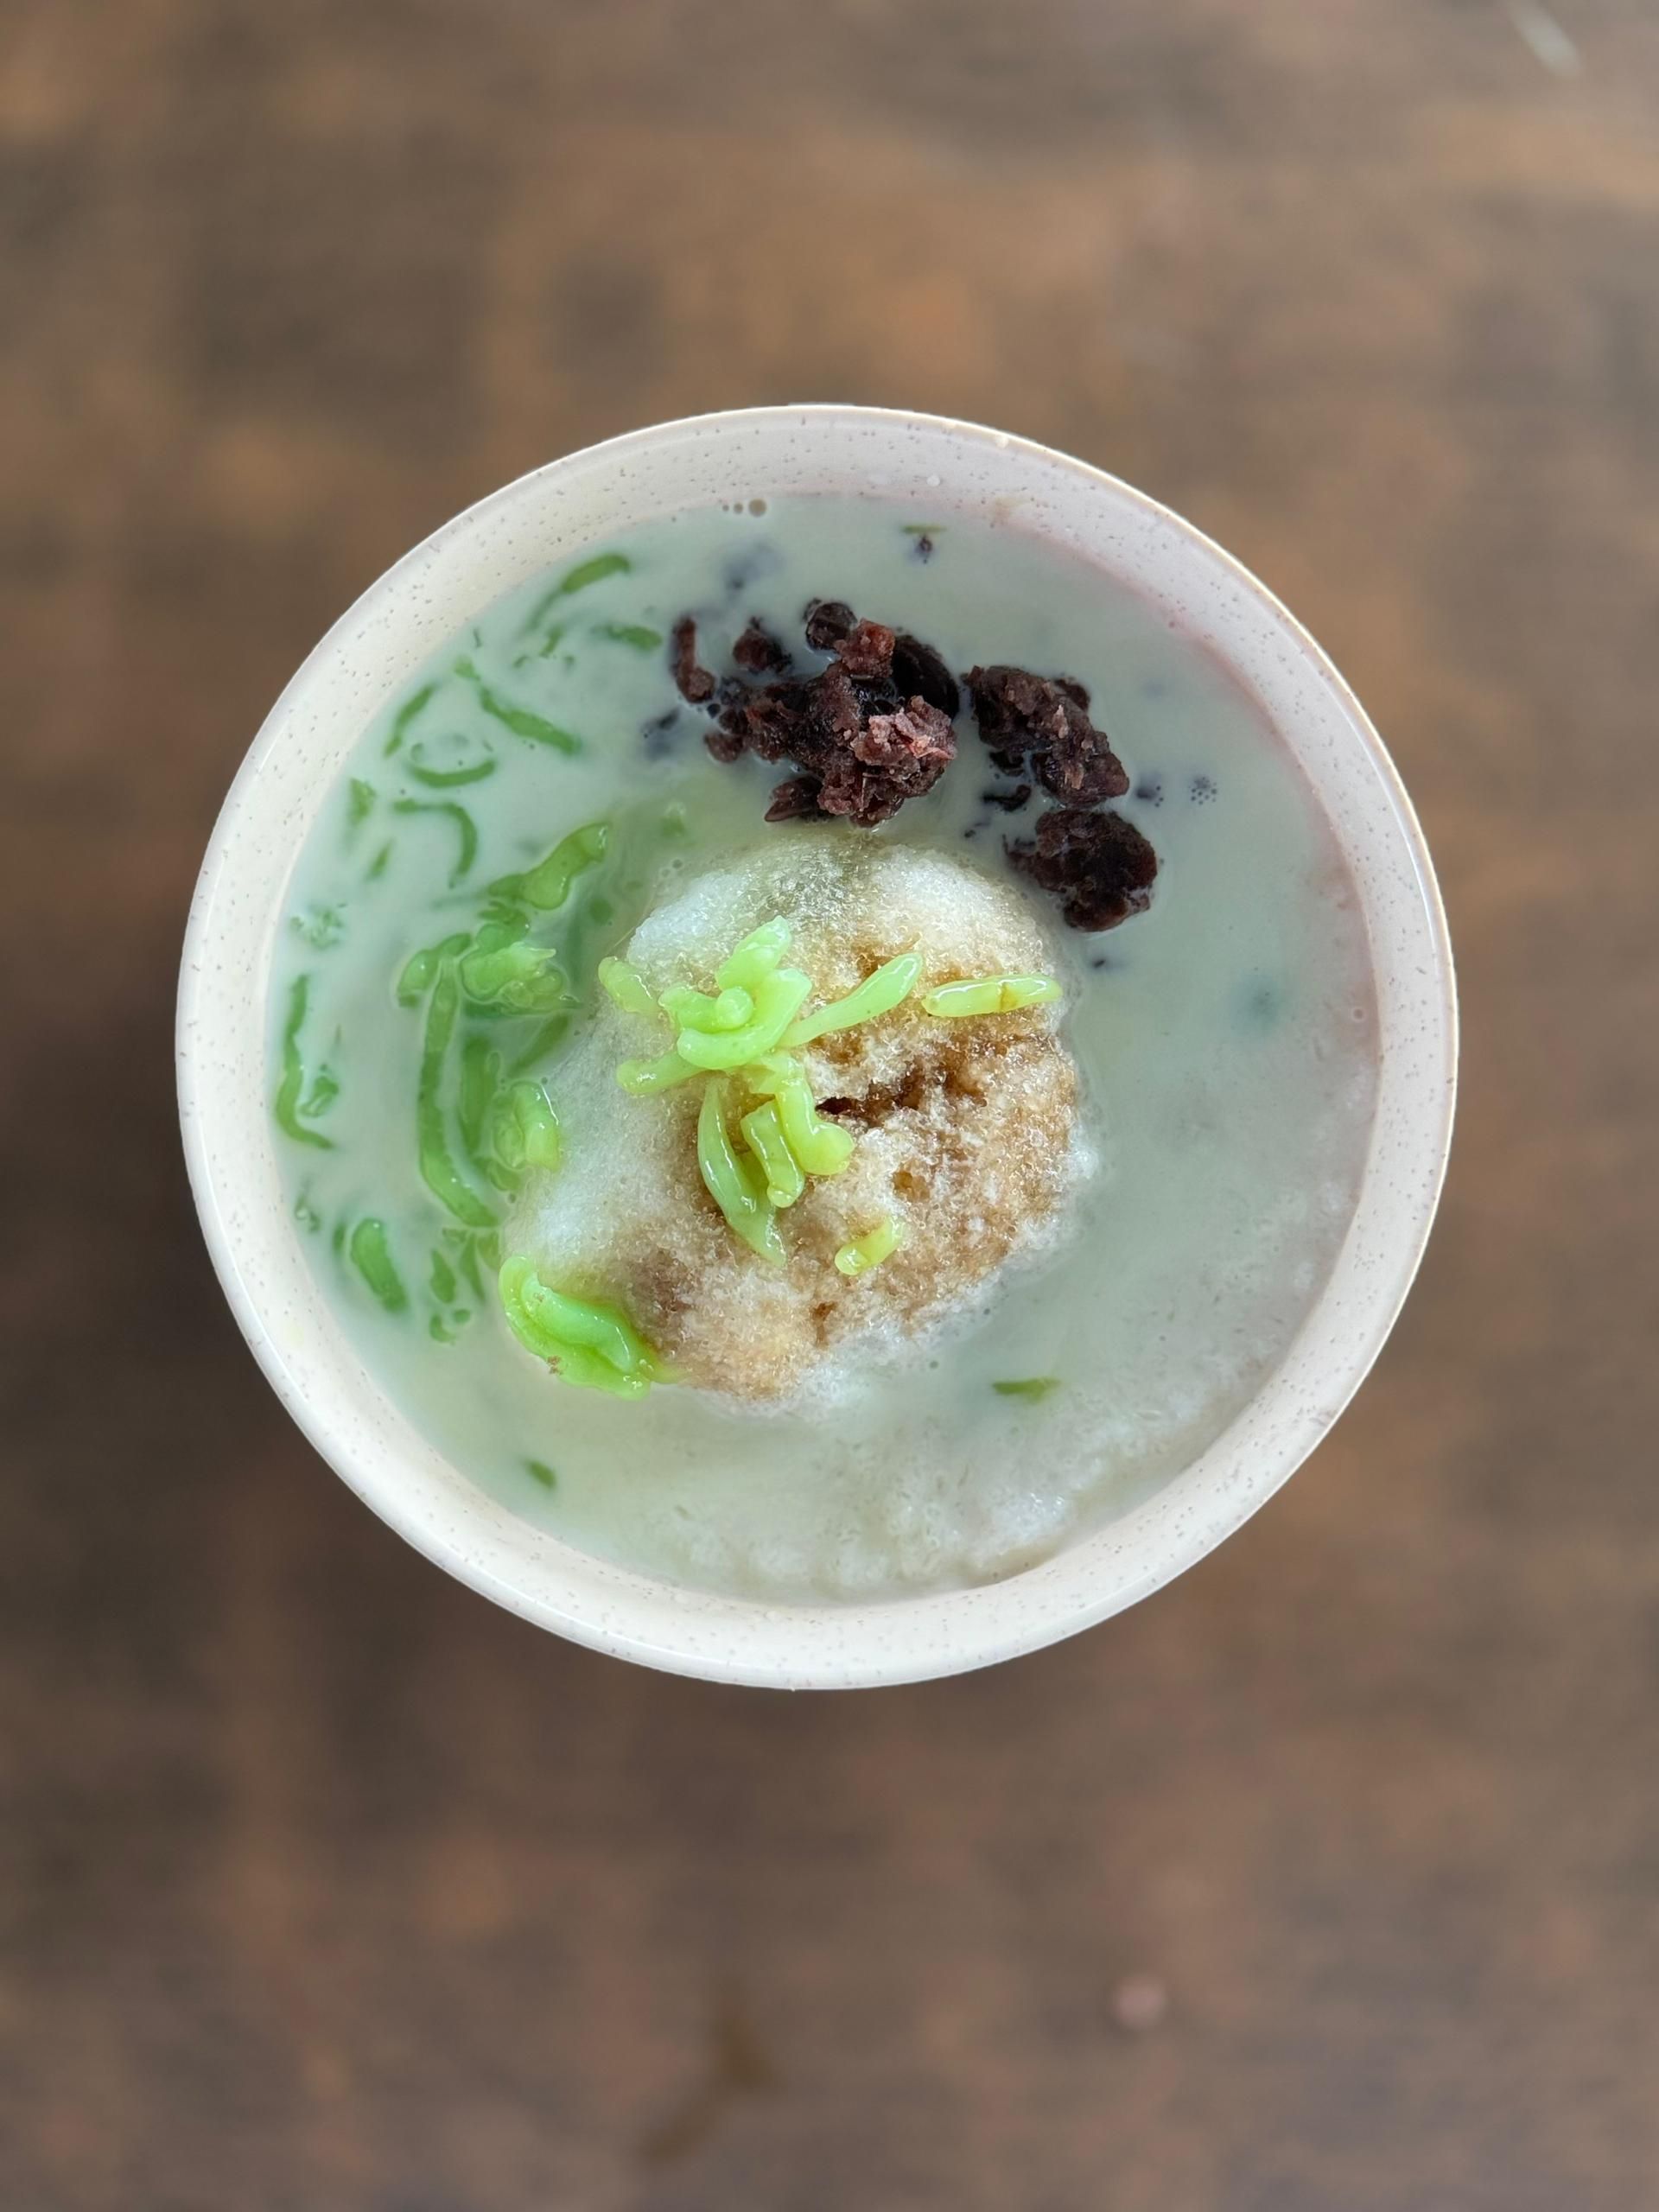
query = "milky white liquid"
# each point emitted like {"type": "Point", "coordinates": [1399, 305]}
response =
{"type": "Point", "coordinates": [1225, 1041]}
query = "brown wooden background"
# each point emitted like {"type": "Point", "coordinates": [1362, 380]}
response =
{"type": "Point", "coordinates": [321, 1884]}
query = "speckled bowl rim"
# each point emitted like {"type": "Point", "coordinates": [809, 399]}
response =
{"type": "Point", "coordinates": [223, 1078]}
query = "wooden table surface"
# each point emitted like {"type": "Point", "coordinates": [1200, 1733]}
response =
{"type": "Point", "coordinates": [1327, 1881]}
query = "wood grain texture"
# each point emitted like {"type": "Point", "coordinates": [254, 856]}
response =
{"type": "Point", "coordinates": [324, 1884]}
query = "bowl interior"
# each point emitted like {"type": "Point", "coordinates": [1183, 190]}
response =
{"type": "Point", "coordinates": [948, 468]}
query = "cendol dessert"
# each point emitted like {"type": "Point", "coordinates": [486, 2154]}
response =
{"type": "Point", "coordinates": [817, 1049]}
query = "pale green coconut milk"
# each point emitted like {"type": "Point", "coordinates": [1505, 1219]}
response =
{"type": "Point", "coordinates": [1226, 1039]}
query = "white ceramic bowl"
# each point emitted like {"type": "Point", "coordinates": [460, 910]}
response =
{"type": "Point", "coordinates": [224, 1079]}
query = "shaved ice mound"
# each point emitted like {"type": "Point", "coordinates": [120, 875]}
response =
{"type": "Point", "coordinates": [966, 1130]}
